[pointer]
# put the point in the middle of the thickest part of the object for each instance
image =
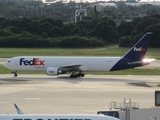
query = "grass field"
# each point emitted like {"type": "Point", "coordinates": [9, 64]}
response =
{"type": "Point", "coordinates": [112, 50]}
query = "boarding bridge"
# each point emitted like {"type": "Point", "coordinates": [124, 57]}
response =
{"type": "Point", "coordinates": [129, 110]}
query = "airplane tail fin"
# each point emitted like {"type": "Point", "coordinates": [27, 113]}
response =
{"type": "Point", "coordinates": [18, 110]}
{"type": "Point", "coordinates": [134, 57]}
{"type": "Point", "coordinates": [138, 51]}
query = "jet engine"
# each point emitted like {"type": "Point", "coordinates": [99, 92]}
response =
{"type": "Point", "coordinates": [53, 71]}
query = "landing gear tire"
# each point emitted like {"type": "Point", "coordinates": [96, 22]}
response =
{"type": "Point", "coordinates": [73, 76]}
{"type": "Point", "coordinates": [82, 75]}
{"type": "Point", "coordinates": [15, 74]}
{"type": "Point", "coordinates": [76, 75]}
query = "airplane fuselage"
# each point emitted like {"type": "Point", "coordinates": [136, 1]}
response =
{"type": "Point", "coordinates": [55, 117]}
{"type": "Point", "coordinates": [37, 63]}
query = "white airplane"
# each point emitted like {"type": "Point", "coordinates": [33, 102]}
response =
{"type": "Point", "coordinates": [60, 65]}
{"type": "Point", "coordinates": [22, 116]}
{"type": "Point", "coordinates": [59, 116]}
{"type": "Point", "coordinates": [55, 117]}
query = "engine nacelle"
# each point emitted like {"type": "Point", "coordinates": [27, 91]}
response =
{"type": "Point", "coordinates": [53, 71]}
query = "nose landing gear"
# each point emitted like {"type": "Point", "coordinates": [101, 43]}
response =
{"type": "Point", "coordinates": [15, 73]}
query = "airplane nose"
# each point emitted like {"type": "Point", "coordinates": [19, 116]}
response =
{"type": "Point", "coordinates": [5, 65]}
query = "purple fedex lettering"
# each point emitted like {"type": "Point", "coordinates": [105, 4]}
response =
{"type": "Point", "coordinates": [35, 62]}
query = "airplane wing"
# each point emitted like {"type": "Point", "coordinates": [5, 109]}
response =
{"type": "Point", "coordinates": [62, 69]}
{"type": "Point", "coordinates": [70, 67]}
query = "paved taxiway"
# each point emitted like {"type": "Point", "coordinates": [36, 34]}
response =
{"type": "Point", "coordinates": [2, 60]}
{"type": "Point", "coordinates": [48, 94]}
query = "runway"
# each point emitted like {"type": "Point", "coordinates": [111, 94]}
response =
{"type": "Point", "coordinates": [49, 94]}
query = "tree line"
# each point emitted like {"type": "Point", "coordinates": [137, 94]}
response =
{"type": "Point", "coordinates": [35, 24]}
{"type": "Point", "coordinates": [47, 32]}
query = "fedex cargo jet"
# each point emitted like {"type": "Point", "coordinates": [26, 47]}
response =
{"type": "Point", "coordinates": [77, 65]}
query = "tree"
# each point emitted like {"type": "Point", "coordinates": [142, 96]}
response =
{"type": "Point", "coordinates": [125, 41]}
{"type": "Point", "coordinates": [104, 30]}
{"type": "Point", "coordinates": [45, 35]}
{"type": "Point", "coordinates": [125, 28]}
{"type": "Point", "coordinates": [56, 32]}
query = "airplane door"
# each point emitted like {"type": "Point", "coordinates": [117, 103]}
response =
{"type": "Point", "coordinates": [16, 65]}
{"type": "Point", "coordinates": [16, 62]}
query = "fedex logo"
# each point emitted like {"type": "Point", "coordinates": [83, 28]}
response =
{"type": "Point", "coordinates": [35, 62]}
{"type": "Point", "coordinates": [51, 71]}
{"type": "Point", "coordinates": [140, 49]}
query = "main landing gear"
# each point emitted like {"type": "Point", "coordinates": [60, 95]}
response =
{"type": "Point", "coordinates": [77, 75]}
{"type": "Point", "coordinates": [15, 73]}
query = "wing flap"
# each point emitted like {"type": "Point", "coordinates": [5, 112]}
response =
{"type": "Point", "coordinates": [70, 67]}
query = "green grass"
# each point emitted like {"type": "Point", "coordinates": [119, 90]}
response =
{"type": "Point", "coordinates": [158, 85]}
{"type": "Point", "coordinates": [112, 50]}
